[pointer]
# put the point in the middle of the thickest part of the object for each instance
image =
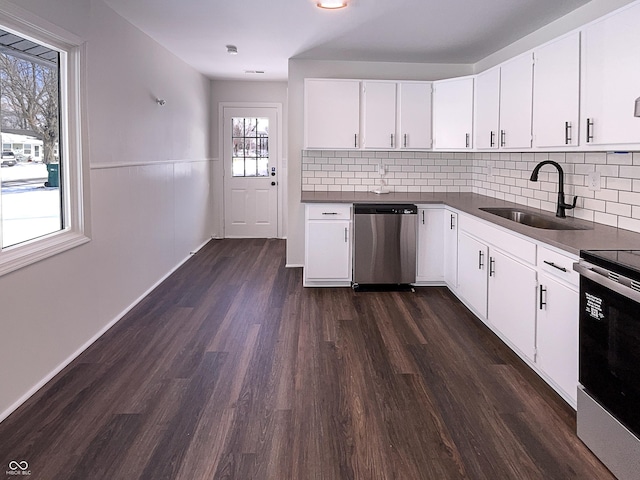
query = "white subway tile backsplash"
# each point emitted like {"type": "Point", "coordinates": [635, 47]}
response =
{"type": "Point", "coordinates": [630, 171]}
{"type": "Point", "coordinates": [616, 203]}
{"type": "Point", "coordinates": [618, 183]}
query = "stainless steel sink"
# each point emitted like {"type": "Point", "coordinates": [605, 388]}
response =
{"type": "Point", "coordinates": [536, 220]}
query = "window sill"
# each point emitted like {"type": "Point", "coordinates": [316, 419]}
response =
{"type": "Point", "coordinates": [14, 258]}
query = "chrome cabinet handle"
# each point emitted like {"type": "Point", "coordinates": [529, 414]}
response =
{"type": "Point", "coordinates": [329, 213]}
{"type": "Point", "coordinates": [355, 140]}
{"type": "Point", "coordinates": [589, 130]}
{"type": "Point", "coordinates": [452, 225]}
{"type": "Point", "coordinates": [405, 140]}
{"type": "Point", "coordinates": [503, 138]}
{"type": "Point", "coordinates": [480, 259]}
{"type": "Point", "coordinates": [423, 217]}
{"type": "Point", "coordinates": [492, 139]}
{"type": "Point", "coordinates": [542, 303]}
{"type": "Point", "coordinates": [392, 140]}
{"type": "Point", "coordinates": [466, 140]}
{"type": "Point", "coordinates": [562, 269]}
{"type": "Point", "coordinates": [346, 238]}
{"type": "Point", "coordinates": [567, 133]}
{"type": "Point", "coordinates": [492, 265]}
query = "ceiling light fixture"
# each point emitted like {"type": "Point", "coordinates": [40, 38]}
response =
{"type": "Point", "coordinates": [232, 50]}
{"type": "Point", "coordinates": [331, 4]}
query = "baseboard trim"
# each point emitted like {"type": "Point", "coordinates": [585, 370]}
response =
{"type": "Point", "coordinates": [93, 339]}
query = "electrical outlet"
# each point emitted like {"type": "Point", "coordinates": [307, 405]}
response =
{"type": "Point", "coordinates": [381, 170]}
{"type": "Point", "coordinates": [593, 181]}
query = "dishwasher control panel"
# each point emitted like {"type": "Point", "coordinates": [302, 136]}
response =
{"type": "Point", "coordinates": [384, 209]}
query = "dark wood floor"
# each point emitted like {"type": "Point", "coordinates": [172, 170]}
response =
{"type": "Point", "coordinates": [231, 370]}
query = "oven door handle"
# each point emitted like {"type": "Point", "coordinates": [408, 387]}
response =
{"type": "Point", "coordinates": [587, 270]}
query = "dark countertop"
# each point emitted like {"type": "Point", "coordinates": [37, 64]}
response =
{"type": "Point", "coordinates": [598, 237]}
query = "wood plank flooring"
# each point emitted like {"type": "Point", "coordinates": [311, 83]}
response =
{"type": "Point", "coordinates": [231, 370]}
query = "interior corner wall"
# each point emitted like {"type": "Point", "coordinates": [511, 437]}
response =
{"type": "Point", "coordinates": [299, 70]}
{"type": "Point", "coordinates": [149, 190]}
{"type": "Point", "coordinates": [251, 92]}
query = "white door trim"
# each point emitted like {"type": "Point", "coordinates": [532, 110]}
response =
{"type": "Point", "coordinates": [282, 180]}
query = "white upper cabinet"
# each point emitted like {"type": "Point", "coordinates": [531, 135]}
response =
{"type": "Point", "coordinates": [556, 93]}
{"type": "Point", "coordinates": [611, 79]}
{"type": "Point", "coordinates": [453, 113]}
{"type": "Point", "coordinates": [332, 114]}
{"type": "Point", "coordinates": [516, 102]}
{"type": "Point", "coordinates": [487, 109]}
{"type": "Point", "coordinates": [415, 115]}
{"type": "Point", "coordinates": [379, 107]}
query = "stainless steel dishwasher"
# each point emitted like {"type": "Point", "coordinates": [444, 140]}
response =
{"type": "Point", "coordinates": [384, 249]}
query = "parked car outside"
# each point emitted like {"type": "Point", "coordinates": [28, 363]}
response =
{"type": "Point", "coordinates": [8, 158]}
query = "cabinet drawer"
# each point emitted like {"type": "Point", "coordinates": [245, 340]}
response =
{"type": "Point", "coordinates": [329, 211]}
{"type": "Point", "coordinates": [558, 265]}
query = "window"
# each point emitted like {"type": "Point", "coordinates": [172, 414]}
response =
{"type": "Point", "coordinates": [250, 147]}
{"type": "Point", "coordinates": [41, 188]}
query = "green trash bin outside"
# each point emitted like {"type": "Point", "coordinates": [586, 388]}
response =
{"type": "Point", "coordinates": [54, 175]}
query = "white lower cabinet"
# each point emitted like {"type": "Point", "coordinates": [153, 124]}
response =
{"type": "Point", "coordinates": [430, 245]}
{"type": "Point", "coordinates": [557, 324]}
{"type": "Point", "coordinates": [527, 293]}
{"type": "Point", "coordinates": [511, 306]}
{"type": "Point", "coordinates": [327, 245]}
{"type": "Point", "coordinates": [472, 273]}
{"type": "Point", "coordinates": [451, 249]}
{"type": "Point", "coordinates": [500, 290]}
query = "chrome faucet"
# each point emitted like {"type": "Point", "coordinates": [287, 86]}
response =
{"type": "Point", "coordinates": [560, 210]}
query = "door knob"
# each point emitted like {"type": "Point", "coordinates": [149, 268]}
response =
{"type": "Point", "coordinates": [273, 184]}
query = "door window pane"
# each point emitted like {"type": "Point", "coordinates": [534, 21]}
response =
{"type": "Point", "coordinates": [250, 138]}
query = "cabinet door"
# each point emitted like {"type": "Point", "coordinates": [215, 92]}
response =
{"type": "Point", "coordinates": [611, 79]}
{"type": "Point", "coordinates": [380, 115]}
{"type": "Point", "coordinates": [557, 334]}
{"type": "Point", "coordinates": [415, 115]}
{"type": "Point", "coordinates": [487, 111]}
{"type": "Point", "coordinates": [328, 250]}
{"type": "Point", "coordinates": [516, 102]}
{"type": "Point", "coordinates": [430, 267]}
{"type": "Point", "coordinates": [472, 273]}
{"type": "Point", "coordinates": [332, 113]}
{"type": "Point", "coordinates": [450, 227]}
{"type": "Point", "coordinates": [512, 301]}
{"type": "Point", "coordinates": [453, 113]}
{"type": "Point", "coordinates": [556, 93]}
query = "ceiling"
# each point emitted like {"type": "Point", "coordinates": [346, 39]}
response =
{"type": "Point", "coordinates": [269, 32]}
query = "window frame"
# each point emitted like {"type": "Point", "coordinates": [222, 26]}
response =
{"type": "Point", "coordinates": [75, 173]}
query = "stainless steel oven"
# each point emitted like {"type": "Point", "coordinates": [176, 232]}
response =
{"type": "Point", "coordinates": [608, 418]}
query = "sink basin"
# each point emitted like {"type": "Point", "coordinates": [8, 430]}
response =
{"type": "Point", "coordinates": [533, 219]}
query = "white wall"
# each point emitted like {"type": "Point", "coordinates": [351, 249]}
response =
{"type": "Point", "coordinates": [249, 92]}
{"type": "Point", "coordinates": [301, 69]}
{"type": "Point", "coordinates": [150, 201]}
